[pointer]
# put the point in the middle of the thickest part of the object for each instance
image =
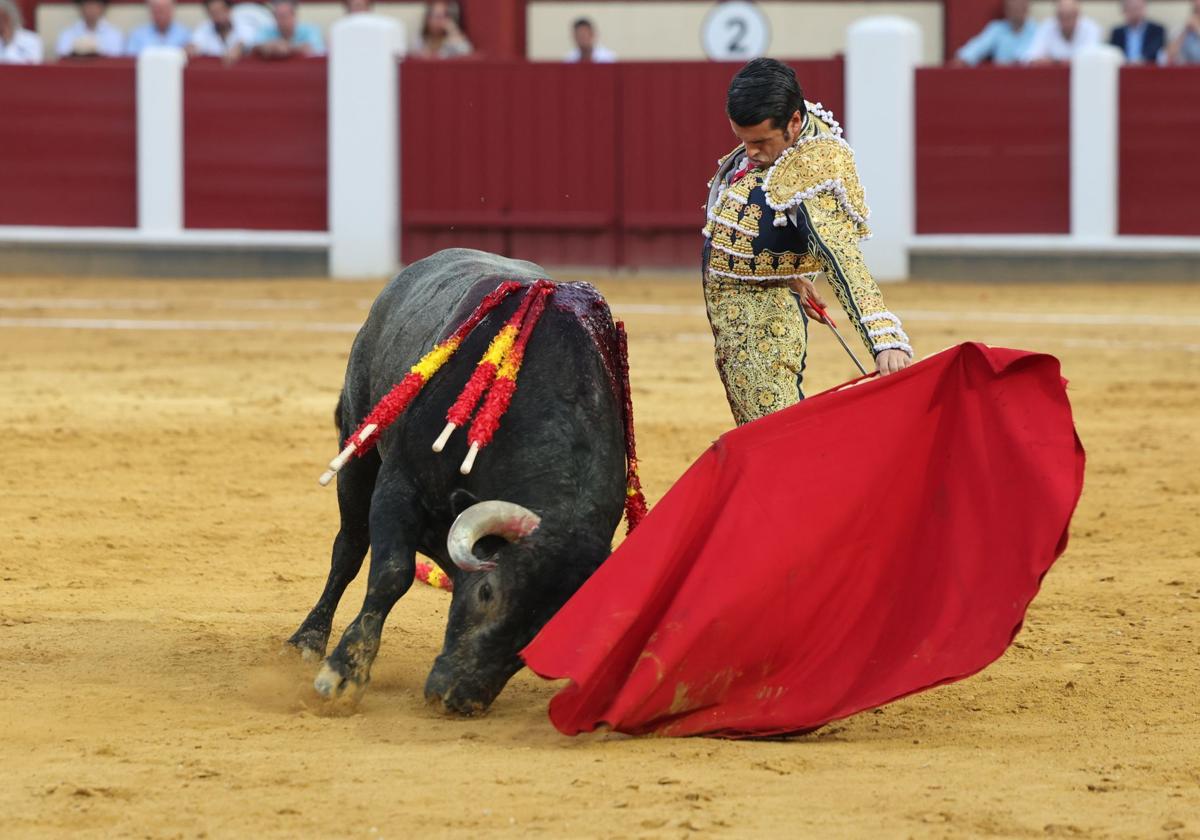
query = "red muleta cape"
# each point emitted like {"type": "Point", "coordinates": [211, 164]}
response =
{"type": "Point", "coordinates": [860, 546]}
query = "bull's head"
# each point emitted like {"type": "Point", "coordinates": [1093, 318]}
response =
{"type": "Point", "coordinates": [497, 607]}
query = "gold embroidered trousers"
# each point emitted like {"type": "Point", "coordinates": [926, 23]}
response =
{"type": "Point", "coordinates": [761, 337]}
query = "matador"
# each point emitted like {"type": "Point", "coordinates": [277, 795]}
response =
{"type": "Point", "coordinates": [783, 207]}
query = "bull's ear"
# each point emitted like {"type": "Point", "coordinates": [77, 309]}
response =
{"type": "Point", "coordinates": [460, 500]}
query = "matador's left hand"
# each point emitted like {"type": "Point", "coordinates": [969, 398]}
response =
{"type": "Point", "coordinates": [890, 361]}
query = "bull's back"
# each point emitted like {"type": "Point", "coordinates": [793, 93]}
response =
{"type": "Point", "coordinates": [420, 306]}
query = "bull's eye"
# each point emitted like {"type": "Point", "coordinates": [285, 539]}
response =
{"type": "Point", "coordinates": [485, 592]}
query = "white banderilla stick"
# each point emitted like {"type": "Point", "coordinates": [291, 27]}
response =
{"type": "Point", "coordinates": [345, 455]}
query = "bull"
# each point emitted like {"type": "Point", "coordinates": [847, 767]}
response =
{"type": "Point", "coordinates": [557, 466]}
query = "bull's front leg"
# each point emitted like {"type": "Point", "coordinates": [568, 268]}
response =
{"type": "Point", "coordinates": [355, 485]}
{"type": "Point", "coordinates": [394, 529]}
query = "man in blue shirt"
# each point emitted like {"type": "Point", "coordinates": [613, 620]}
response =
{"type": "Point", "coordinates": [288, 37]}
{"type": "Point", "coordinates": [1001, 41]}
{"type": "Point", "coordinates": [162, 30]}
{"type": "Point", "coordinates": [1141, 40]}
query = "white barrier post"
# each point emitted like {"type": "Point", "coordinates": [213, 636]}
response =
{"type": "Point", "coordinates": [881, 60]}
{"type": "Point", "coordinates": [160, 139]}
{"type": "Point", "coordinates": [1095, 93]}
{"type": "Point", "coordinates": [364, 180]}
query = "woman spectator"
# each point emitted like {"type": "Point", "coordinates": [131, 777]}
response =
{"type": "Point", "coordinates": [17, 44]}
{"type": "Point", "coordinates": [441, 33]}
{"type": "Point", "coordinates": [1185, 47]}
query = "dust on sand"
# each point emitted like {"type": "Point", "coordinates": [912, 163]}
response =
{"type": "Point", "coordinates": [164, 531]}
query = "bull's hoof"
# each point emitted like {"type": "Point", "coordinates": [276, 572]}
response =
{"type": "Point", "coordinates": [333, 685]}
{"type": "Point", "coordinates": [310, 644]}
{"type": "Point", "coordinates": [452, 704]}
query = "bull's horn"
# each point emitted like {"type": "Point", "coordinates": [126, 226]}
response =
{"type": "Point", "coordinates": [492, 518]}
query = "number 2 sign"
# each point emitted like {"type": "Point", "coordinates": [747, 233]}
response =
{"type": "Point", "coordinates": [735, 31]}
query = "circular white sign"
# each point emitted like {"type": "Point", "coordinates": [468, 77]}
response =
{"type": "Point", "coordinates": [735, 31]}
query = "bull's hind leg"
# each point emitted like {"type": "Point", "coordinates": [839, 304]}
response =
{"type": "Point", "coordinates": [394, 532]}
{"type": "Point", "coordinates": [355, 484]}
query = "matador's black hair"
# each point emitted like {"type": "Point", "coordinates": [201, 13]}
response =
{"type": "Point", "coordinates": [765, 89]}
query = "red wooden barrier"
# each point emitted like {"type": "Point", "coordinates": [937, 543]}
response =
{"type": "Point", "coordinates": [1159, 180]}
{"type": "Point", "coordinates": [568, 164]}
{"type": "Point", "coordinates": [993, 150]}
{"type": "Point", "coordinates": [69, 135]}
{"type": "Point", "coordinates": [254, 152]}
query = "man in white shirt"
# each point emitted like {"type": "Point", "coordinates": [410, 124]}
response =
{"type": "Point", "coordinates": [17, 44]}
{"type": "Point", "coordinates": [162, 30]}
{"type": "Point", "coordinates": [221, 36]}
{"type": "Point", "coordinates": [91, 35]}
{"type": "Point", "coordinates": [587, 47]}
{"type": "Point", "coordinates": [1058, 38]}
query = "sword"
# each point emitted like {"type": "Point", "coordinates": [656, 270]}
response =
{"type": "Point", "coordinates": [827, 321]}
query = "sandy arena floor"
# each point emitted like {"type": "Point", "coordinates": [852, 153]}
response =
{"type": "Point", "coordinates": [164, 532]}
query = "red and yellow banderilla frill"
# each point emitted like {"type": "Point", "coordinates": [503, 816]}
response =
{"type": "Point", "coordinates": [504, 385]}
{"type": "Point", "coordinates": [485, 372]}
{"type": "Point", "coordinates": [398, 399]}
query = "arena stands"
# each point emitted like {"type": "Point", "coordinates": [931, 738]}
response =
{"type": "Point", "coordinates": [511, 149]}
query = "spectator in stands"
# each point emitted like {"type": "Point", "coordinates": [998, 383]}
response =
{"type": "Point", "coordinates": [289, 38]}
{"type": "Point", "coordinates": [221, 36]}
{"type": "Point", "coordinates": [587, 48]}
{"type": "Point", "coordinates": [1058, 38]}
{"type": "Point", "coordinates": [162, 30]}
{"type": "Point", "coordinates": [1003, 41]}
{"type": "Point", "coordinates": [91, 35]}
{"type": "Point", "coordinates": [441, 33]}
{"type": "Point", "coordinates": [1185, 47]}
{"type": "Point", "coordinates": [17, 44]}
{"type": "Point", "coordinates": [1141, 40]}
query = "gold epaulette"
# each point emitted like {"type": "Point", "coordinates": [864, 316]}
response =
{"type": "Point", "coordinates": [820, 164]}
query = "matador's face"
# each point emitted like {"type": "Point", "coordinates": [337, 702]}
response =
{"type": "Point", "coordinates": [764, 142]}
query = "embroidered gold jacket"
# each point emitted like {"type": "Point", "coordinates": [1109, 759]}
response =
{"type": "Point", "coordinates": [804, 215]}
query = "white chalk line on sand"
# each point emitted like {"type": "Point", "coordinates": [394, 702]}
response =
{"type": "Point", "coordinates": [1084, 343]}
{"type": "Point", "coordinates": [22, 304]}
{"type": "Point", "coordinates": [1130, 319]}
{"type": "Point", "coordinates": [174, 325]}
{"type": "Point", "coordinates": [177, 325]}
{"type": "Point", "coordinates": [950, 315]}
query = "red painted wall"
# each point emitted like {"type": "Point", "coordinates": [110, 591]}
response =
{"type": "Point", "coordinates": [583, 165]}
{"type": "Point", "coordinates": [1159, 180]}
{"type": "Point", "coordinates": [255, 139]}
{"type": "Point", "coordinates": [69, 135]}
{"type": "Point", "coordinates": [993, 150]}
